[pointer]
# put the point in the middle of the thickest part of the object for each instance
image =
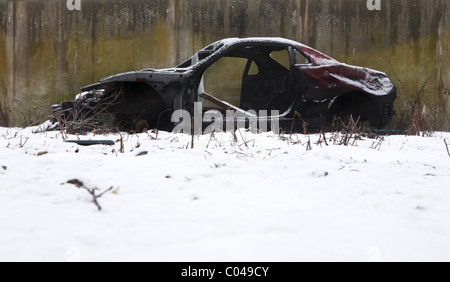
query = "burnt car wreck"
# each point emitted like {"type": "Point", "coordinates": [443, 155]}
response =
{"type": "Point", "coordinates": [249, 76]}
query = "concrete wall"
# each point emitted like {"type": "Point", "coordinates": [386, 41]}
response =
{"type": "Point", "coordinates": [40, 40]}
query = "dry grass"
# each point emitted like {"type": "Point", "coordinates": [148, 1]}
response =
{"type": "Point", "coordinates": [410, 108]}
{"type": "Point", "coordinates": [419, 125]}
{"type": "Point", "coordinates": [91, 191]}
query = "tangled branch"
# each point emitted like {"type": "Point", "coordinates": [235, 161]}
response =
{"type": "Point", "coordinates": [92, 191]}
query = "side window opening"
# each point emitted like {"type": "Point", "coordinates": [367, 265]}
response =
{"type": "Point", "coordinates": [300, 59]}
{"type": "Point", "coordinates": [200, 56]}
{"type": "Point", "coordinates": [256, 78]}
{"type": "Point", "coordinates": [281, 57]}
{"type": "Point", "coordinates": [253, 69]}
{"type": "Point", "coordinates": [223, 80]}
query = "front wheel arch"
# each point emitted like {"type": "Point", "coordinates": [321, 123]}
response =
{"type": "Point", "coordinates": [357, 105]}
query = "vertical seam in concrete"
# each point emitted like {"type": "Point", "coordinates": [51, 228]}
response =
{"type": "Point", "coordinates": [13, 22]}
{"type": "Point", "coordinates": [94, 20]}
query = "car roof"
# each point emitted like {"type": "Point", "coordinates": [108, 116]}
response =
{"type": "Point", "coordinates": [313, 55]}
{"type": "Point", "coordinates": [276, 40]}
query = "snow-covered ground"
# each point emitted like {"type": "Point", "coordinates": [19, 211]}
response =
{"type": "Point", "coordinates": [223, 201]}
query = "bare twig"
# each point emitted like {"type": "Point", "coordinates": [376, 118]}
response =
{"type": "Point", "coordinates": [246, 143]}
{"type": "Point", "coordinates": [446, 147]}
{"type": "Point", "coordinates": [376, 145]}
{"type": "Point", "coordinates": [159, 120]}
{"type": "Point", "coordinates": [349, 131]}
{"type": "Point", "coordinates": [324, 138]}
{"type": "Point", "coordinates": [211, 137]}
{"type": "Point", "coordinates": [308, 144]}
{"type": "Point", "coordinates": [92, 191]}
{"type": "Point", "coordinates": [61, 123]}
{"type": "Point", "coordinates": [23, 144]}
{"type": "Point", "coordinates": [104, 192]}
{"type": "Point", "coordinates": [243, 139]}
{"type": "Point", "coordinates": [419, 124]}
{"type": "Point", "coordinates": [122, 147]}
{"type": "Point", "coordinates": [403, 145]}
{"type": "Point", "coordinates": [243, 153]}
{"type": "Point", "coordinates": [151, 137]}
{"type": "Point", "coordinates": [235, 139]}
{"type": "Point", "coordinates": [293, 126]}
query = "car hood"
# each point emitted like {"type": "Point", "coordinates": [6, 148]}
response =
{"type": "Point", "coordinates": [350, 78]}
{"type": "Point", "coordinates": [148, 75]}
{"type": "Point", "coordinates": [157, 76]}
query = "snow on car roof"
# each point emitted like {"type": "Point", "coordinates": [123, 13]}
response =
{"type": "Point", "coordinates": [316, 57]}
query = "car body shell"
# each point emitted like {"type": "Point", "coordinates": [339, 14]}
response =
{"type": "Point", "coordinates": [316, 89]}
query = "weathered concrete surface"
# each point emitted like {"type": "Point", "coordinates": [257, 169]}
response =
{"type": "Point", "coordinates": [407, 39]}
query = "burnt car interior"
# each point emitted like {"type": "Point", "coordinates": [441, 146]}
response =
{"type": "Point", "coordinates": [250, 78]}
